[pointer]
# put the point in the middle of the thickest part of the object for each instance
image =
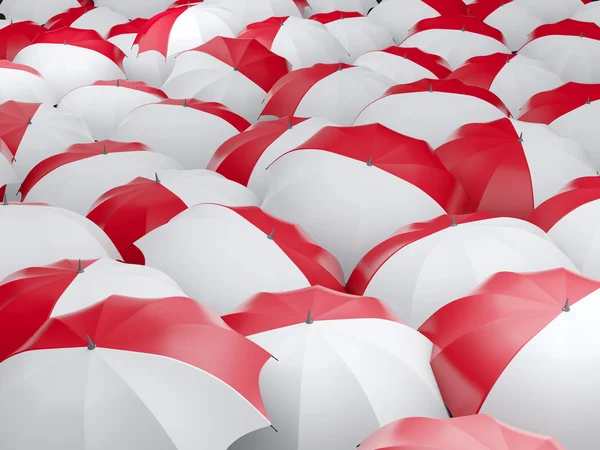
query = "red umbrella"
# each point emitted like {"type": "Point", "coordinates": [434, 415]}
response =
{"type": "Point", "coordinates": [17, 36]}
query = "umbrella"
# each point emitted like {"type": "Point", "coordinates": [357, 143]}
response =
{"type": "Point", "coordinates": [99, 19]}
{"type": "Point", "coordinates": [569, 47]}
{"type": "Point", "coordinates": [400, 17]}
{"type": "Point", "coordinates": [336, 92]}
{"type": "Point", "coordinates": [507, 349]}
{"type": "Point", "coordinates": [508, 167]}
{"type": "Point", "coordinates": [69, 58]}
{"type": "Point", "coordinates": [34, 131]}
{"type": "Point", "coordinates": [515, 19]}
{"type": "Point", "coordinates": [104, 104]}
{"type": "Point", "coordinates": [302, 42]}
{"type": "Point", "coordinates": [31, 296]}
{"type": "Point", "coordinates": [8, 175]}
{"type": "Point", "coordinates": [39, 234]}
{"type": "Point", "coordinates": [38, 10]}
{"type": "Point", "coordinates": [555, 10]}
{"type": "Point", "coordinates": [251, 11]}
{"type": "Point", "coordinates": [475, 432]}
{"type": "Point", "coordinates": [155, 374]}
{"type": "Point", "coordinates": [128, 212]}
{"type": "Point", "coordinates": [588, 13]}
{"type": "Point", "coordinates": [572, 111]}
{"type": "Point", "coordinates": [17, 36]}
{"type": "Point", "coordinates": [134, 9]}
{"type": "Point", "coordinates": [23, 84]}
{"type": "Point", "coordinates": [425, 266]}
{"type": "Point", "coordinates": [568, 218]}
{"type": "Point", "coordinates": [456, 38]}
{"type": "Point", "coordinates": [76, 178]}
{"type": "Point", "coordinates": [189, 131]}
{"type": "Point", "coordinates": [345, 366]}
{"type": "Point", "coordinates": [513, 78]}
{"type": "Point", "coordinates": [235, 72]}
{"type": "Point", "coordinates": [244, 157]}
{"type": "Point", "coordinates": [357, 33]}
{"type": "Point", "coordinates": [351, 187]}
{"type": "Point", "coordinates": [325, 6]}
{"type": "Point", "coordinates": [404, 65]}
{"type": "Point", "coordinates": [431, 109]}
{"type": "Point", "coordinates": [255, 252]}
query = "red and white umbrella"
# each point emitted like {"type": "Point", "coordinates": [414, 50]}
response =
{"type": "Point", "coordinates": [76, 178]}
{"type": "Point", "coordinates": [235, 72]}
{"type": "Point", "coordinates": [351, 187]}
{"type": "Point", "coordinates": [33, 295]}
{"type": "Point", "coordinates": [569, 219]}
{"type": "Point", "coordinates": [244, 157]}
{"type": "Point", "coordinates": [189, 131]}
{"type": "Point", "coordinates": [129, 212]}
{"type": "Point", "coordinates": [302, 42]}
{"type": "Point", "coordinates": [129, 373]}
{"type": "Point", "coordinates": [400, 17]}
{"type": "Point", "coordinates": [133, 9]}
{"type": "Point", "coordinates": [404, 65]}
{"type": "Point", "coordinates": [569, 47]}
{"type": "Point", "coordinates": [456, 38]}
{"type": "Point", "coordinates": [251, 11]}
{"type": "Point", "coordinates": [16, 36]}
{"type": "Point", "coordinates": [99, 19]}
{"type": "Point", "coordinates": [23, 84]}
{"type": "Point", "coordinates": [588, 13]}
{"type": "Point", "coordinates": [69, 58]}
{"type": "Point", "coordinates": [104, 104]}
{"type": "Point", "coordinates": [35, 131]}
{"type": "Point", "coordinates": [345, 366]}
{"type": "Point", "coordinates": [8, 174]}
{"type": "Point", "coordinates": [357, 33]}
{"type": "Point", "coordinates": [325, 6]}
{"type": "Point", "coordinates": [572, 111]}
{"type": "Point", "coordinates": [515, 19]}
{"type": "Point", "coordinates": [520, 348]}
{"type": "Point", "coordinates": [255, 252]}
{"type": "Point", "coordinates": [38, 11]}
{"type": "Point", "coordinates": [474, 432]}
{"type": "Point", "coordinates": [39, 234]}
{"type": "Point", "coordinates": [555, 10]}
{"type": "Point", "coordinates": [425, 266]}
{"type": "Point", "coordinates": [513, 78]}
{"type": "Point", "coordinates": [431, 109]}
{"type": "Point", "coordinates": [336, 92]}
{"type": "Point", "coordinates": [509, 167]}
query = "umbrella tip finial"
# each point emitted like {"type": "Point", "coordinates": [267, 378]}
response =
{"type": "Point", "coordinates": [271, 234]}
{"type": "Point", "coordinates": [118, 83]}
{"type": "Point", "coordinates": [5, 200]}
{"type": "Point", "coordinates": [65, 42]}
{"type": "Point", "coordinates": [340, 67]}
{"type": "Point", "coordinates": [235, 69]}
{"type": "Point", "coordinates": [156, 179]}
{"type": "Point", "coordinates": [581, 35]}
{"type": "Point", "coordinates": [588, 101]}
{"type": "Point", "coordinates": [453, 220]}
{"type": "Point", "coordinates": [566, 308]}
{"type": "Point", "coordinates": [405, 55]}
{"type": "Point", "coordinates": [463, 28]}
{"type": "Point", "coordinates": [370, 161]}
{"type": "Point", "coordinates": [309, 318]}
{"type": "Point", "coordinates": [29, 122]}
{"type": "Point", "coordinates": [280, 22]}
{"type": "Point", "coordinates": [507, 59]}
{"type": "Point", "coordinates": [289, 123]}
{"type": "Point", "coordinates": [185, 102]}
{"type": "Point", "coordinates": [79, 267]}
{"type": "Point", "coordinates": [430, 87]}
{"type": "Point", "coordinates": [90, 343]}
{"type": "Point", "coordinates": [521, 136]}
{"type": "Point", "coordinates": [104, 152]}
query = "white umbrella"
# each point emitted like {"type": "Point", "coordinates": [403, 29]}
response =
{"type": "Point", "coordinates": [588, 13]}
{"type": "Point", "coordinates": [250, 11]}
{"type": "Point", "coordinates": [23, 84]}
{"type": "Point", "coordinates": [99, 19]}
{"type": "Point", "coordinates": [555, 10]}
{"type": "Point", "coordinates": [325, 6]}
{"type": "Point", "coordinates": [133, 9]}
{"type": "Point", "coordinates": [38, 10]}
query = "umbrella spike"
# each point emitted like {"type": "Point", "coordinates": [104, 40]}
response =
{"type": "Point", "coordinates": [507, 59]}
{"type": "Point", "coordinates": [588, 101]}
{"type": "Point", "coordinates": [156, 179]}
{"type": "Point", "coordinates": [405, 55]}
{"type": "Point", "coordinates": [289, 124]}
{"type": "Point", "coordinates": [29, 122]}
{"type": "Point", "coordinates": [271, 235]}
{"type": "Point", "coordinates": [339, 67]}
{"type": "Point", "coordinates": [581, 35]}
{"type": "Point", "coordinates": [235, 69]}
{"type": "Point", "coordinates": [104, 151]}
{"type": "Point", "coordinates": [430, 87]}
{"type": "Point", "coordinates": [309, 318]}
{"type": "Point", "coordinates": [90, 343]}
{"type": "Point", "coordinates": [185, 102]}
{"type": "Point", "coordinates": [566, 308]}
{"type": "Point", "coordinates": [453, 224]}
{"type": "Point", "coordinates": [463, 28]}
{"type": "Point", "coordinates": [5, 200]}
{"type": "Point", "coordinates": [370, 161]}
{"type": "Point", "coordinates": [65, 42]}
{"type": "Point", "coordinates": [79, 267]}
{"type": "Point", "coordinates": [521, 136]}
{"type": "Point", "coordinates": [118, 83]}
{"type": "Point", "coordinates": [274, 429]}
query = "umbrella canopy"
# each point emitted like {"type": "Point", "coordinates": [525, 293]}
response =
{"type": "Point", "coordinates": [588, 13]}
{"type": "Point", "coordinates": [325, 6]}
{"type": "Point", "coordinates": [34, 131]}
{"type": "Point", "coordinates": [8, 175]}
{"type": "Point", "coordinates": [571, 48]}
{"type": "Point", "coordinates": [400, 17]}
{"type": "Point", "coordinates": [571, 110]}
{"type": "Point", "coordinates": [513, 78]}
{"type": "Point", "coordinates": [302, 42]}
{"type": "Point", "coordinates": [508, 167]}
{"type": "Point", "coordinates": [76, 178]}
{"type": "Point", "coordinates": [133, 9]}
{"type": "Point", "coordinates": [425, 266]}
{"type": "Point", "coordinates": [157, 374]}
{"type": "Point", "coordinates": [128, 212]}
{"type": "Point", "coordinates": [256, 252]}
{"type": "Point", "coordinates": [251, 11]}
{"type": "Point", "coordinates": [66, 235]}
{"type": "Point", "coordinates": [337, 92]}
{"type": "Point", "coordinates": [357, 33]}
{"type": "Point", "coordinates": [16, 36]}
{"type": "Point", "coordinates": [235, 72]}
{"type": "Point", "coordinates": [244, 157]}
{"type": "Point", "coordinates": [99, 19]}
{"type": "Point", "coordinates": [189, 131]}
{"type": "Point", "coordinates": [404, 65]}
{"type": "Point", "coordinates": [23, 84]}
{"type": "Point", "coordinates": [456, 38]}
{"type": "Point", "coordinates": [507, 349]}
{"type": "Point", "coordinates": [351, 187]}
{"type": "Point", "coordinates": [431, 109]}
{"type": "Point", "coordinates": [568, 218]}
{"type": "Point", "coordinates": [38, 11]}
{"type": "Point", "coordinates": [69, 58]}
{"type": "Point", "coordinates": [345, 366]}
{"type": "Point", "coordinates": [555, 10]}
{"type": "Point", "coordinates": [33, 295]}
{"type": "Point", "coordinates": [104, 104]}
{"type": "Point", "coordinates": [475, 432]}
{"type": "Point", "coordinates": [515, 19]}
